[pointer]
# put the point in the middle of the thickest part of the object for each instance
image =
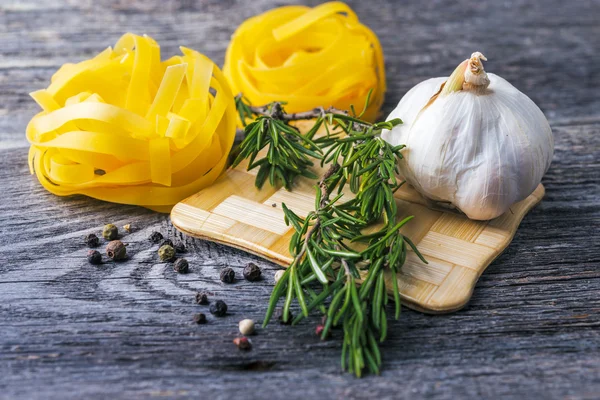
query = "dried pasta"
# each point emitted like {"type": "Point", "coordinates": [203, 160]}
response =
{"type": "Point", "coordinates": [128, 128]}
{"type": "Point", "coordinates": [307, 57]}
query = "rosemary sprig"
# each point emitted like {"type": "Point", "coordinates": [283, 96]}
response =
{"type": "Point", "coordinates": [326, 268]}
{"type": "Point", "coordinates": [288, 152]}
{"type": "Point", "coordinates": [368, 166]}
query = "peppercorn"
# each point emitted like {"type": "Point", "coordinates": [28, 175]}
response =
{"type": "Point", "coordinates": [181, 266]}
{"type": "Point", "coordinates": [155, 237]}
{"type": "Point", "coordinates": [278, 275]}
{"type": "Point", "coordinates": [202, 298]}
{"type": "Point", "coordinates": [252, 272]}
{"type": "Point", "coordinates": [167, 242]}
{"type": "Point", "coordinates": [280, 317]}
{"type": "Point", "coordinates": [116, 250]}
{"type": "Point", "coordinates": [166, 253]}
{"type": "Point", "coordinates": [218, 308]}
{"type": "Point", "coordinates": [319, 331]}
{"type": "Point", "coordinates": [92, 240]}
{"type": "Point", "coordinates": [200, 318]}
{"type": "Point", "coordinates": [242, 343]}
{"type": "Point", "coordinates": [94, 257]}
{"type": "Point", "coordinates": [179, 247]}
{"type": "Point", "coordinates": [246, 327]}
{"type": "Point", "coordinates": [110, 232]}
{"type": "Point", "coordinates": [227, 275]}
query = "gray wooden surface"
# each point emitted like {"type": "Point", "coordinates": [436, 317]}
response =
{"type": "Point", "coordinates": [71, 330]}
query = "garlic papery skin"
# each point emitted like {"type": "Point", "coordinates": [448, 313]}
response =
{"type": "Point", "coordinates": [472, 140]}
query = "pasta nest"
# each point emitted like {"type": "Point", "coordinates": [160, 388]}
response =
{"type": "Point", "coordinates": [128, 128]}
{"type": "Point", "coordinates": [307, 57]}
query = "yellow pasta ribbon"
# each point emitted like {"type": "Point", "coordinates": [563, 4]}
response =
{"type": "Point", "coordinates": [127, 128]}
{"type": "Point", "coordinates": [307, 57]}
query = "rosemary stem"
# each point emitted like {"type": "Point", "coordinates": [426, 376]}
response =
{"type": "Point", "coordinates": [275, 110]}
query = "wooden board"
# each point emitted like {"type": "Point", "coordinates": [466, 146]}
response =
{"type": "Point", "coordinates": [234, 212]}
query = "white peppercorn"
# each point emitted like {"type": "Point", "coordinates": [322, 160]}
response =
{"type": "Point", "coordinates": [246, 327]}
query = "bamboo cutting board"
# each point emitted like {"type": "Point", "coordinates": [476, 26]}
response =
{"type": "Point", "coordinates": [233, 212]}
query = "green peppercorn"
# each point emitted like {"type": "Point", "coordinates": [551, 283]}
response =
{"type": "Point", "coordinates": [166, 253]}
{"type": "Point", "coordinates": [110, 232]}
{"type": "Point", "coordinates": [116, 250]}
{"type": "Point", "coordinates": [227, 275]}
{"type": "Point", "coordinates": [94, 257]}
{"type": "Point", "coordinates": [181, 266]}
{"type": "Point", "coordinates": [92, 240]}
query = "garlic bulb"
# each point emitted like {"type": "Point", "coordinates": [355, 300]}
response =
{"type": "Point", "coordinates": [472, 140]}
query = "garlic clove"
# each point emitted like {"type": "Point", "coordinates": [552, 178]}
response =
{"type": "Point", "coordinates": [417, 98]}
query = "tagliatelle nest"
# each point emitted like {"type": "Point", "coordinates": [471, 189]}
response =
{"type": "Point", "coordinates": [307, 58]}
{"type": "Point", "coordinates": [127, 128]}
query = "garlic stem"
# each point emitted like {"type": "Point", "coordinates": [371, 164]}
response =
{"type": "Point", "coordinates": [475, 76]}
{"type": "Point", "coordinates": [469, 75]}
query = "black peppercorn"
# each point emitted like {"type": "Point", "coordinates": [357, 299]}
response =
{"type": "Point", "coordinates": [218, 308]}
{"type": "Point", "coordinates": [242, 343]}
{"type": "Point", "coordinates": [200, 318]}
{"type": "Point", "coordinates": [280, 317]}
{"type": "Point", "coordinates": [167, 242]}
{"type": "Point", "coordinates": [155, 237]}
{"type": "Point", "coordinates": [227, 275]}
{"type": "Point", "coordinates": [252, 272]}
{"type": "Point", "coordinates": [92, 240]}
{"type": "Point", "coordinates": [202, 298]}
{"type": "Point", "coordinates": [116, 250]}
{"type": "Point", "coordinates": [179, 247]}
{"type": "Point", "coordinates": [166, 253]}
{"type": "Point", "coordinates": [110, 232]}
{"type": "Point", "coordinates": [181, 266]}
{"type": "Point", "coordinates": [94, 257]}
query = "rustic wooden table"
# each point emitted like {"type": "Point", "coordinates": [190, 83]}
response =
{"type": "Point", "coordinates": [72, 330]}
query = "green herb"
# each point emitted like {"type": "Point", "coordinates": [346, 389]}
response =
{"type": "Point", "coordinates": [326, 270]}
{"type": "Point", "coordinates": [287, 153]}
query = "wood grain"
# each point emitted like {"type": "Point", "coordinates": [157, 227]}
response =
{"type": "Point", "coordinates": [69, 330]}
